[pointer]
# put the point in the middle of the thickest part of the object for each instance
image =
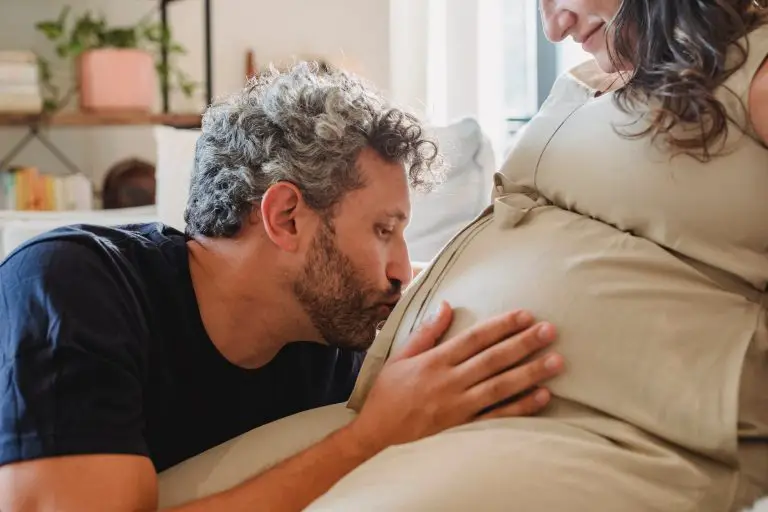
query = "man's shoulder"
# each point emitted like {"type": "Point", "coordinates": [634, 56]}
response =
{"type": "Point", "coordinates": [84, 244]}
{"type": "Point", "coordinates": [58, 271]}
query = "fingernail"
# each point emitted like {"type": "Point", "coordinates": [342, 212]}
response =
{"type": "Point", "coordinates": [552, 362]}
{"type": "Point", "coordinates": [524, 318]}
{"type": "Point", "coordinates": [546, 332]}
{"type": "Point", "coordinates": [541, 396]}
{"type": "Point", "coordinates": [433, 316]}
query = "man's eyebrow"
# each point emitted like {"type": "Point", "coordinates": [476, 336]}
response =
{"type": "Point", "coordinates": [397, 214]}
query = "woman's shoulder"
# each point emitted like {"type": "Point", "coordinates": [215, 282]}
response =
{"type": "Point", "coordinates": [589, 75]}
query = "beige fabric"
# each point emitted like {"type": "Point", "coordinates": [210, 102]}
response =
{"type": "Point", "coordinates": [653, 268]}
{"type": "Point", "coordinates": [533, 465]}
{"type": "Point", "coordinates": [233, 462]}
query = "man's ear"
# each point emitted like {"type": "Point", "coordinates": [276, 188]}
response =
{"type": "Point", "coordinates": [281, 207]}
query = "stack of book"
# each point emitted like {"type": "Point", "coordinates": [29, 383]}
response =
{"type": "Point", "coordinates": [26, 189]}
{"type": "Point", "coordinates": [19, 83]}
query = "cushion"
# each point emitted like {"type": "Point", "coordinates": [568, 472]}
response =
{"type": "Point", "coordinates": [233, 462]}
{"type": "Point", "coordinates": [175, 160]}
{"type": "Point", "coordinates": [16, 227]}
{"type": "Point", "coordinates": [438, 215]}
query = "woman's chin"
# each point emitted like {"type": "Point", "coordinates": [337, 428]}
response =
{"type": "Point", "coordinates": [605, 63]}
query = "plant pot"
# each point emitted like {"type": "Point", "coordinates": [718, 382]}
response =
{"type": "Point", "coordinates": [117, 79]}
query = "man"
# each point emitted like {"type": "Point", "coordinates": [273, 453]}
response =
{"type": "Point", "coordinates": [126, 351]}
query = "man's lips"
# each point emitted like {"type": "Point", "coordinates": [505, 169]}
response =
{"type": "Point", "coordinates": [385, 308]}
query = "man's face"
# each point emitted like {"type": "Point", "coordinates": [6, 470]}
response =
{"type": "Point", "coordinates": [358, 261]}
{"type": "Point", "coordinates": [586, 22]}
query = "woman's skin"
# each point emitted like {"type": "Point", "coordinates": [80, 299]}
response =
{"type": "Point", "coordinates": [586, 22]}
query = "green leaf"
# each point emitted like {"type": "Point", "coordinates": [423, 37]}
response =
{"type": "Point", "coordinates": [76, 49]}
{"type": "Point", "coordinates": [50, 105]}
{"type": "Point", "coordinates": [120, 38]}
{"type": "Point", "coordinates": [44, 68]}
{"type": "Point", "coordinates": [86, 34]}
{"type": "Point", "coordinates": [51, 29]}
{"type": "Point", "coordinates": [62, 50]}
{"type": "Point", "coordinates": [188, 88]}
{"type": "Point", "coordinates": [152, 33]}
{"type": "Point", "coordinates": [186, 84]}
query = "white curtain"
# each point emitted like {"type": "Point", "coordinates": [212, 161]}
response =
{"type": "Point", "coordinates": [448, 61]}
{"type": "Point", "coordinates": [477, 58]}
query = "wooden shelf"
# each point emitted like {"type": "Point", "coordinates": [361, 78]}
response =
{"type": "Point", "coordinates": [102, 119]}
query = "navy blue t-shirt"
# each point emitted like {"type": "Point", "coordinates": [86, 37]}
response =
{"type": "Point", "coordinates": [102, 350]}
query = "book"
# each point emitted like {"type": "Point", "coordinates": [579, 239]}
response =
{"type": "Point", "coordinates": [18, 56]}
{"type": "Point", "coordinates": [26, 189]}
{"type": "Point", "coordinates": [29, 90]}
{"type": "Point", "coordinates": [19, 74]}
{"type": "Point", "coordinates": [19, 83]}
{"type": "Point", "coordinates": [21, 104]}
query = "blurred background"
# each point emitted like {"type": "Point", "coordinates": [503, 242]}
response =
{"type": "Point", "coordinates": [83, 82]}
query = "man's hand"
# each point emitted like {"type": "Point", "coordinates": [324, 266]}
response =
{"type": "Point", "coordinates": [427, 388]}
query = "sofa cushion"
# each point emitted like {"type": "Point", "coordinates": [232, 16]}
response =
{"type": "Point", "coordinates": [247, 455]}
{"type": "Point", "coordinates": [175, 159]}
{"type": "Point", "coordinates": [16, 227]}
{"type": "Point", "coordinates": [465, 192]}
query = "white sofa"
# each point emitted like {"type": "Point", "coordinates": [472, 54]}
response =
{"type": "Point", "coordinates": [18, 227]}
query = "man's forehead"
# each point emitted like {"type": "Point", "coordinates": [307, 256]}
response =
{"type": "Point", "coordinates": [370, 162]}
{"type": "Point", "coordinates": [385, 186]}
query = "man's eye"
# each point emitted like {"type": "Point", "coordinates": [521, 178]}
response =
{"type": "Point", "coordinates": [383, 231]}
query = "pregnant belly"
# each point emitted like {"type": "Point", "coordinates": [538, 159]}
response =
{"type": "Point", "coordinates": [528, 465]}
{"type": "Point", "coordinates": [647, 339]}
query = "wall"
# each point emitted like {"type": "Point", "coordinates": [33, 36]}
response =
{"type": "Point", "coordinates": [355, 33]}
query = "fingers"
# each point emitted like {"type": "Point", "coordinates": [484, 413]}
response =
{"type": "Point", "coordinates": [514, 381]}
{"type": "Point", "coordinates": [428, 333]}
{"type": "Point", "coordinates": [505, 354]}
{"type": "Point", "coordinates": [486, 334]}
{"type": "Point", "coordinates": [526, 406]}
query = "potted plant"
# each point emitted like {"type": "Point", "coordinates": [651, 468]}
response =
{"type": "Point", "coordinates": [116, 68]}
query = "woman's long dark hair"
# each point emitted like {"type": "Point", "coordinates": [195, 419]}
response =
{"type": "Point", "coordinates": [681, 51]}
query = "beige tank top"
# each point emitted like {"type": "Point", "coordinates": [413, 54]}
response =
{"type": "Point", "coordinates": [653, 268]}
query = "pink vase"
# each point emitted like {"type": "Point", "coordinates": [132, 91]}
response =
{"type": "Point", "coordinates": [117, 79]}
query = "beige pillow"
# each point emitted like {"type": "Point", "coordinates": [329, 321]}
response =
{"type": "Point", "coordinates": [233, 462]}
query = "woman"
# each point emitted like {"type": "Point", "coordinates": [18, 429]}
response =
{"type": "Point", "coordinates": [636, 200]}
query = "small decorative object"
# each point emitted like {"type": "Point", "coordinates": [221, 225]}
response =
{"type": "Point", "coordinates": [19, 83]}
{"type": "Point", "coordinates": [113, 65]}
{"type": "Point", "coordinates": [116, 79]}
{"type": "Point", "coordinates": [129, 183]}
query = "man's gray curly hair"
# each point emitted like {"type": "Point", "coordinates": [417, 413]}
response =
{"type": "Point", "coordinates": [305, 126]}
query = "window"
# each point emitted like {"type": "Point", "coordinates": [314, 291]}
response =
{"type": "Point", "coordinates": [531, 63]}
{"type": "Point", "coordinates": [520, 32]}
{"type": "Point", "coordinates": [487, 59]}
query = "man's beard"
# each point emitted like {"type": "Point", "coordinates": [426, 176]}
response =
{"type": "Point", "coordinates": [340, 302]}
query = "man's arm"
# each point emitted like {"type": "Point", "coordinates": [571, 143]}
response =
{"type": "Point", "coordinates": [421, 391]}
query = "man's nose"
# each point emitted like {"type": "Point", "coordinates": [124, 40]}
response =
{"type": "Point", "coordinates": [399, 266]}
